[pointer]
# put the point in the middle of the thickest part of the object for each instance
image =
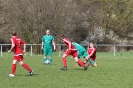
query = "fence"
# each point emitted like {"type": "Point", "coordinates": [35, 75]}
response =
{"type": "Point", "coordinates": [100, 48]}
{"type": "Point", "coordinates": [6, 47]}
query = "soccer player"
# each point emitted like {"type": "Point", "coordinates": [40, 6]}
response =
{"type": "Point", "coordinates": [91, 54]}
{"type": "Point", "coordinates": [18, 54]}
{"type": "Point", "coordinates": [47, 42]}
{"type": "Point", "coordinates": [82, 52]}
{"type": "Point", "coordinates": [71, 50]}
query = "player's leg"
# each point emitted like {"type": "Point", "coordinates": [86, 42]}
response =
{"type": "Point", "coordinates": [67, 52]}
{"type": "Point", "coordinates": [85, 55]}
{"type": "Point", "coordinates": [26, 67]}
{"type": "Point", "coordinates": [88, 60]}
{"type": "Point", "coordinates": [20, 60]}
{"type": "Point", "coordinates": [45, 59]}
{"type": "Point", "coordinates": [75, 55]}
{"type": "Point", "coordinates": [13, 67]}
{"type": "Point", "coordinates": [77, 63]}
{"type": "Point", "coordinates": [80, 63]}
{"type": "Point", "coordinates": [64, 61]}
{"type": "Point", "coordinates": [45, 51]}
{"type": "Point", "coordinates": [92, 62]}
{"type": "Point", "coordinates": [50, 55]}
{"type": "Point", "coordinates": [79, 55]}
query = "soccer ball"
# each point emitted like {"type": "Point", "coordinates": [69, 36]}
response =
{"type": "Point", "coordinates": [47, 62]}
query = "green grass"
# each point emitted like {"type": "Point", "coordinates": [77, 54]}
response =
{"type": "Point", "coordinates": [113, 72]}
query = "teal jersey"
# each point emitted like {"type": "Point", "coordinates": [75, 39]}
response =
{"type": "Point", "coordinates": [81, 50]}
{"type": "Point", "coordinates": [78, 47]}
{"type": "Point", "coordinates": [47, 39]}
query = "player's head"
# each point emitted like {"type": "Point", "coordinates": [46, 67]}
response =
{"type": "Point", "coordinates": [13, 33]}
{"type": "Point", "coordinates": [91, 44]}
{"type": "Point", "coordinates": [62, 36]}
{"type": "Point", "coordinates": [47, 32]}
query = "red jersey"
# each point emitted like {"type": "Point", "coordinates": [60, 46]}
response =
{"type": "Point", "coordinates": [92, 52]}
{"type": "Point", "coordinates": [71, 50]}
{"type": "Point", "coordinates": [18, 42]}
{"type": "Point", "coordinates": [69, 44]}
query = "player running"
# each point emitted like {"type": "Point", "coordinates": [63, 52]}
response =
{"type": "Point", "coordinates": [47, 42]}
{"type": "Point", "coordinates": [71, 50]}
{"type": "Point", "coordinates": [18, 54]}
{"type": "Point", "coordinates": [82, 52]}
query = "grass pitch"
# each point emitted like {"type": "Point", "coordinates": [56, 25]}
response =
{"type": "Point", "coordinates": [112, 72]}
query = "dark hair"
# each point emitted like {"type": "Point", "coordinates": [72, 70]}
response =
{"type": "Point", "coordinates": [62, 36]}
{"type": "Point", "coordinates": [14, 33]}
{"type": "Point", "coordinates": [92, 42]}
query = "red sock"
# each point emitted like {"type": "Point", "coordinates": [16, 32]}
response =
{"type": "Point", "coordinates": [64, 61]}
{"type": "Point", "coordinates": [13, 68]}
{"type": "Point", "coordinates": [26, 67]}
{"type": "Point", "coordinates": [80, 63]}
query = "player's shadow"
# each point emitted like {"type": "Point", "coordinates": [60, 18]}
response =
{"type": "Point", "coordinates": [77, 69]}
{"type": "Point", "coordinates": [25, 75]}
{"type": "Point", "coordinates": [32, 75]}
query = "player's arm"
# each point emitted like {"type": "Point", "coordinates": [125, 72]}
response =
{"type": "Point", "coordinates": [54, 45]}
{"type": "Point", "coordinates": [93, 51]}
{"type": "Point", "coordinates": [69, 44]}
{"type": "Point", "coordinates": [13, 45]}
{"type": "Point", "coordinates": [24, 51]}
{"type": "Point", "coordinates": [42, 45]}
{"type": "Point", "coordinates": [89, 55]}
{"type": "Point", "coordinates": [87, 59]}
{"type": "Point", "coordinates": [24, 46]}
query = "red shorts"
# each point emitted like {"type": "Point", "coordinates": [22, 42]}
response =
{"type": "Point", "coordinates": [18, 58]}
{"type": "Point", "coordinates": [72, 52]}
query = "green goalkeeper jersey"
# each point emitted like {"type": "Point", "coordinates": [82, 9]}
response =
{"type": "Point", "coordinates": [47, 39]}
